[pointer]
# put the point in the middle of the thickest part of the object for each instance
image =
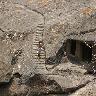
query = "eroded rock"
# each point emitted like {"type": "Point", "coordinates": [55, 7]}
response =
{"type": "Point", "coordinates": [5, 72]}
{"type": "Point", "coordinates": [37, 85]}
{"type": "Point", "coordinates": [17, 89]}
{"type": "Point", "coordinates": [70, 77]}
{"type": "Point", "coordinates": [88, 90]}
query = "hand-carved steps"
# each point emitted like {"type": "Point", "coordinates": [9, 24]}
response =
{"type": "Point", "coordinates": [38, 47]}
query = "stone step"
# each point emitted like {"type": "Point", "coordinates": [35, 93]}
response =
{"type": "Point", "coordinates": [35, 43]}
{"type": "Point", "coordinates": [40, 64]}
{"type": "Point", "coordinates": [41, 56]}
{"type": "Point", "coordinates": [36, 54]}
{"type": "Point", "coordinates": [38, 34]}
{"type": "Point", "coordinates": [40, 30]}
{"type": "Point", "coordinates": [40, 53]}
{"type": "Point", "coordinates": [35, 46]}
{"type": "Point", "coordinates": [40, 25]}
{"type": "Point", "coordinates": [41, 67]}
{"type": "Point", "coordinates": [40, 60]}
{"type": "Point", "coordinates": [37, 38]}
{"type": "Point", "coordinates": [37, 58]}
{"type": "Point", "coordinates": [36, 49]}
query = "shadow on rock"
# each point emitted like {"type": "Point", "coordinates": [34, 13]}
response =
{"type": "Point", "coordinates": [40, 85]}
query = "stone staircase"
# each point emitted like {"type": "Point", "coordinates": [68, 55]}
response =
{"type": "Point", "coordinates": [38, 49]}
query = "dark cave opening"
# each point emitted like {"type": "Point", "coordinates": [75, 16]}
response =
{"type": "Point", "coordinates": [73, 47]}
{"type": "Point", "coordinates": [86, 53]}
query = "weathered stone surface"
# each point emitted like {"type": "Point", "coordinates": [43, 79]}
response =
{"type": "Point", "coordinates": [17, 89]}
{"type": "Point", "coordinates": [18, 22]}
{"type": "Point", "coordinates": [42, 85]}
{"type": "Point", "coordinates": [70, 77]}
{"type": "Point", "coordinates": [17, 17]}
{"type": "Point", "coordinates": [61, 18]}
{"type": "Point", "coordinates": [88, 90]}
{"type": "Point", "coordinates": [5, 72]}
{"type": "Point", "coordinates": [18, 25]}
{"type": "Point", "coordinates": [37, 85]}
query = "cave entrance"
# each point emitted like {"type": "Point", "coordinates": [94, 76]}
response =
{"type": "Point", "coordinates": [78, 51]}
{"type": "Point", "coordinates": [86, 53]}
{"type": "Point", "coordinates": [73, 47]}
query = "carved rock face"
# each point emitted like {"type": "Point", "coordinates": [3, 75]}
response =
{"type": "Point", "coordinates": [18, 24]}
{"type": "Point", "coordinates": [61, 16]}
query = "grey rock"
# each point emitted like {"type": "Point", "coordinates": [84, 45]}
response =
{"type": "Point", "coordinates": [40, 85]}
{"type": "Point", "coordinates": [5, 73]}
{"type": "Point", "coordinates": [17, 89]}
{"type": "Point", "coordinates": [70, 77]}
{"type": "Point", "coordinates": [18, 22]}
{"type": "Point", "coordinates": [88, 90]}
{"type": "Point", "coordinates": [18, 25]}
{"type": "Point", "coordinates": [37, 85]}
{"type": "Point", "coordinates": [18, 17]}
